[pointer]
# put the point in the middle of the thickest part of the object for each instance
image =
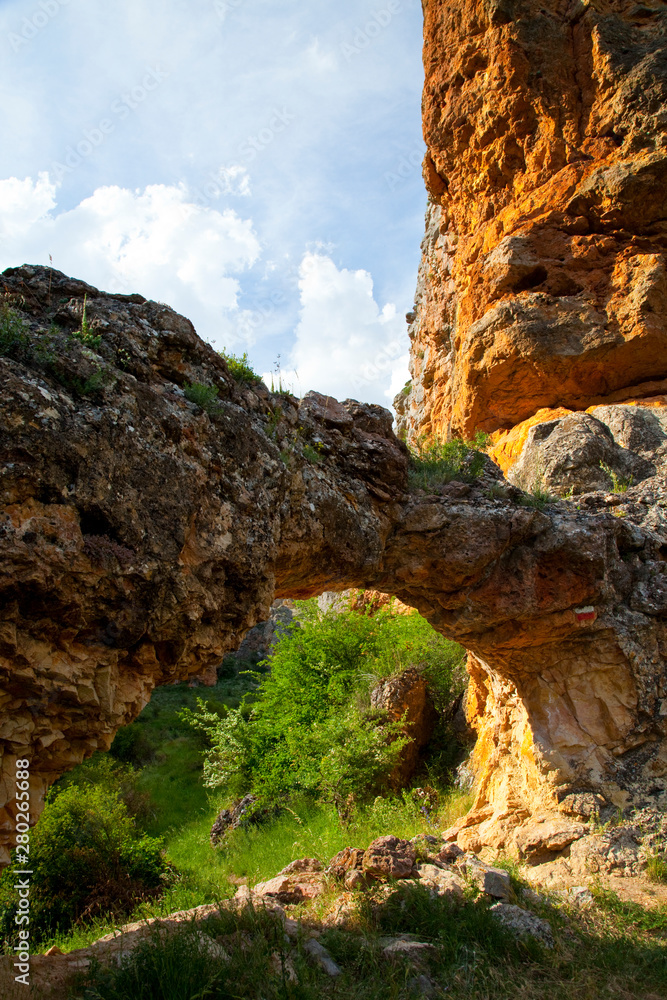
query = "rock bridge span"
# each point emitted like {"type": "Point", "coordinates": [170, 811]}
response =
{"type": "Point", "coordinates": [142, 534]}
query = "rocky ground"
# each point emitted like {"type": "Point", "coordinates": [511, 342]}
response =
{"type": "Point", "coordinates": [532, 901]}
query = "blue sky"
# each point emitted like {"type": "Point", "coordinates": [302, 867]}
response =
{"type": "Point", "coordinates": [253, 163]}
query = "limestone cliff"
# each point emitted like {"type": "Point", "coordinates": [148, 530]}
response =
{"type": "Point", "coordinates": [542, 283]}
{"type": "Point", "coordinates": [142, 534]}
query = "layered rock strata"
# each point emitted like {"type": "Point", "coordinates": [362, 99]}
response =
{"type": "Point", "coordinates": [542, 283]}
{"type": "Point", "coordinates": [142, 534]}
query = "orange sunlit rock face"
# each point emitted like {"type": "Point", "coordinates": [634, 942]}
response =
{"type": "Point", "coordinates": [543, 281]}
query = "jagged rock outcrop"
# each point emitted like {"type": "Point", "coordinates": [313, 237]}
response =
{"type": "Point", "coordinates": [142, 534]}
{"type": "Point", "coordinates": [406, 696]}
{"type": "Point", "coordinates": [543, 282]}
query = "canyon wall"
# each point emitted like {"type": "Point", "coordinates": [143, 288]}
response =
{"type": "Point", "coordinates": [142, 534]}
{"type": "Point", "coordinates": [542, 288]}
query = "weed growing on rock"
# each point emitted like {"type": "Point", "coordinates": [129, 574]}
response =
{"type": "Point", "coordinates": [656, 868]}
{"type": "Point", "coordinates": [85, 334]}
{"type": "Point", "coordinates": [537, 495]}
{"type": "Point", "coordinates": [94, 385]}
{"type": "Point", "coordinates": [620, 484]}
{"type": "Point", "coordinates": [239, 368]}
{"type": "Point", "coordinates": [312, 454]}
{"type": "Point", "coordinates": [435, 462]}
{"type": "Point", "coordinates": [204, 396]}
{"type": "Point", "coordinates": [497, 491]}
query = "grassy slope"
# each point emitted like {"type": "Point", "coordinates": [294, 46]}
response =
{"type": "Point", "coordinates": [612, 950]}
{"type": "Point", "coordinates": [181, 810]}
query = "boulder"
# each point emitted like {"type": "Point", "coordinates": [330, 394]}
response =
{"type": "Point", "coordinates": [522, 923]}
{"type": "Point", "coordinates": [231, 819]}
{"type": "Point", "coordinates": [585, 805]}
{"type": "Point", "coordinates": [618, 851]}
{"type": "Point", "coordinates": [576, 454]}
{"type": "Point", "coordinates": [547, 835]}
{"type": "Point", "coordinates": [405, 947]}
{"type": "Point", "coordinates": [407, 695]}
{"type": "Point", "coordinates": [310, 865]}
{"type": "Point", "coordinates": [348, 859]}
{"type": "Point", "coordinates": [320, 956]}
{"type": "Point", "coordinates": [494, 882]}
{"type": "Point", "coordinates": [442, 882]}
{"type": "Point", "coordinates": [449, 854]}
{"type": "Point", "coordinates": [389, 857]}
{"type": "Point", "coordinates": [296, 888]}
{"type": "Point", "coordinates": [355, 879]}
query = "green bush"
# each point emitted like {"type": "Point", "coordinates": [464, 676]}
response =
{"type": "Point", "coordinates": [132, 745]}
{"type": "Point", "coordinates": [239, 368]}
{"type": "Point", "coordinates": [87, 859]}
{"type": "Point", "coordinates": [310, 728]}
{"type": "Point", "coordinates": [14, 341]}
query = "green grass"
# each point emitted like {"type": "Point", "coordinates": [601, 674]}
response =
{"type": "Point", "coordinates": [206, 874]}
{"type": "Point", "coordinates": [309, 829]}
{"type": "Point", "coordinates": [596, 957]}
{"type": "Point", "coordinates": [656, 868]}
{"type": "Point", "coordinates": [537, 496]}
{"type": "Point", "coordinates": [619, 484]}
{"type": "Point", "coordinates": [434, 462]}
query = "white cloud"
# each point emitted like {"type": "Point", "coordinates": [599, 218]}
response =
{"type": "Point", "coordinates": [156, 241]}
{"type": "Point", "coordinates": [346, 345]}
{"type": "Point", "coordinates": [23, 203]}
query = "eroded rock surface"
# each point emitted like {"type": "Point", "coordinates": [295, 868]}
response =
{"type": "Point", "coordinates": [142, 534]}
{"type": "Point", "coordinates": [543, 281]}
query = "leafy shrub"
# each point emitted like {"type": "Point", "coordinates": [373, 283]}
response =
{"type": "Point", "coordinates": [87, 859]}
{"type": "Point", "coordinates": [239, 368]}
{"type": "Point", "coordinates": [309, 728]}
{"type": "Point", "coordinates": [204, 396]}
{"type": "Point", "coordinates": [14, 341]}
{"type": "Point", "coordinates": [131, 745]}
{"type": "Point", "coordinates": [436, 462]}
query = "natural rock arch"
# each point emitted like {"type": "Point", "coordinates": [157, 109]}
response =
{"type": "Point", "coordinates": [142, 535]}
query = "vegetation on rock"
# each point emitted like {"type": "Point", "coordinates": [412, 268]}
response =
{"type": "Point", "coordinates": [240, 368]}
{"type": "Point", "coordinates": [310, 727]}
{"type": "Point", "coordinates": [434, 461]}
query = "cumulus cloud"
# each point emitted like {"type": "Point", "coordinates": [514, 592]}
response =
{"type": "Point", "coordinates": [156, 241]}
{"type": "Point", "coordinates": [346, 345]}
{"type": "Point", "coordinates": [23, 203]}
